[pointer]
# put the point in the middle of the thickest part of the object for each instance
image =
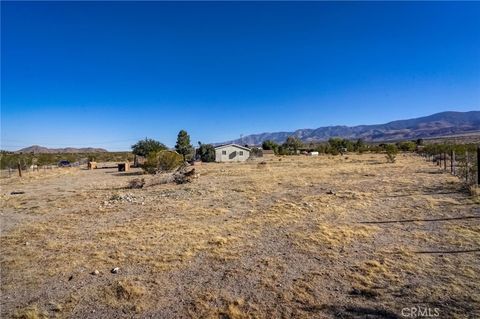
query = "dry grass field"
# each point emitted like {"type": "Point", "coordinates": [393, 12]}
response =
{"type": "Point", "coordinates": [299, 237]}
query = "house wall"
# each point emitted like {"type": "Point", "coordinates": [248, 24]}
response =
{"type": "Point", "coordinates": [232, 154]}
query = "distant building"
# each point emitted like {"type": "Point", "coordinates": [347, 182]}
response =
{"type": "Point", "coordinates": [231, 153]}
{"type": "Point", "coordinates": [313, 153]}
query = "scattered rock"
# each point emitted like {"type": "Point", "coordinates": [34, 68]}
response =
{"type": "Point", "coordinates": [70, 278]}
{"type": "Point", "coordinates": [95, 272]}
{"type": "Point", "coordinates": [331, 192]}
{"type": "Point", "coordinates": [128, 197]}
{"type": "Point", "coordinates": [17, 193]}
{"type": "Point", "coordinates": [115, 270]}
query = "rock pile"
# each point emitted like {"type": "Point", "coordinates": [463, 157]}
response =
{"type": "Point", "coordinates": [128, 197]}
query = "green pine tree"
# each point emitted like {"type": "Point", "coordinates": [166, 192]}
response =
{"type": "Point", "coordinates": [183, 145]}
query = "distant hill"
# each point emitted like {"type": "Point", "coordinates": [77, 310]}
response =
{"type": "Point", "coordinates": [41, 149]}
{"type": "Point", "coordinates": [432, 126]}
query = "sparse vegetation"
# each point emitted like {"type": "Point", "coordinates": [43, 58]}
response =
{"type": "Point", "coordinates": [407, 146]}
{"type": "Point", "coordinates": [147, 146]}
{"type": "Point", "coordinates": [270, 145]}
{"type": "Point", "coordinates": [256, 152]}
{"type": "Point", "coordinates": [292, 145]}
{"type": "Point", "coordinates": [305, 235]}
{"type": "Point", "coordinates": [10, 160]}
{"type": "Point", "coordinates": [206, 152]}
{"type": "Point", "coordinates": [391, 150]}
{"type": "Point", "coordinates": [163, 161]}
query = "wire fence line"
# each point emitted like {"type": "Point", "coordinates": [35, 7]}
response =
{"type": "Point", "coordinates": [27, 171]}
{"type": "Point", "coordinates": [460, 160]}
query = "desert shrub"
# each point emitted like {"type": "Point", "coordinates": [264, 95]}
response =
{"type": "Point", "coordinates": [147, 146]}
{"type": "Point", "coordinates": [163, 161]}
{"type": "Point", "coordinates": [391, 151]}
{"type": "Point", "coordinates": [206, 152]}
{"type": "Point", "coordinates": [292, 144]}
{"type": "Point", "coordinates": [360, 146]}
{"type": "Point", "coordinates": [270, 145]}
{"type": "Point", "coordinates": [256, 152]}
{"type": "Point", "coordinates": [340, 145]}
{"type": "Point", "coordinates": [284, 150]}
{"type": "Point", "coordinates": [407, 146]}
{"type": "Point", "coordinates": [31, 312]}
{"type": "Point", "coordinates": [333, 151]}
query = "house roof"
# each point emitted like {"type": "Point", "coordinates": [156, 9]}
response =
{"type": "Point", "coordinates": [234, 145]}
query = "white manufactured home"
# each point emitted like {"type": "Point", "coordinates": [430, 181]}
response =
{"type": "Point", "coordinates": [231, 153]}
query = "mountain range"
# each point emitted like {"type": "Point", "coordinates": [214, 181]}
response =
{"type": "Point", "coordinates": [41, 149]}
{"type": "Point", "coordinates": [432, 126]}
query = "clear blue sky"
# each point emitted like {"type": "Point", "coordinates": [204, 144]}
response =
{"type": "Point", "coordinates": [103, 74]}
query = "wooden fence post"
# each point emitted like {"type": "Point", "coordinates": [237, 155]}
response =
{"type": "Point", "coordinates": [444, 161]}
{"type": "Point", "coordinates": [452, 162]}
{"type": "Point", "coordinates": [19, 170]}
{"type": "Point", "coordinates": [466, 167]}
{"type": "Point", "coordinates": [478, 165]}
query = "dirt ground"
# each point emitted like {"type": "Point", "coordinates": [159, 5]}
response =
{"type": "Point", "coordinates": [297, 237]}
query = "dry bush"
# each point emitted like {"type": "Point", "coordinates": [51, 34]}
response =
{"type": "Point", "coordinates": [163, 161]}
{"type": "Point", "coordinates": [126, 294]}
{"type": "Point", "coordinates": [31, 312]}
{"type": "Point", "coordinates": [184, 175]}
{"type": "Point", "coordinates": [474, 191]}
{"type": "Point", "coordinates": [136, 183]}
{"type": "Point", "coordinates": [129, 290]}
{"type": "Point", "coordinates": [263, 165]}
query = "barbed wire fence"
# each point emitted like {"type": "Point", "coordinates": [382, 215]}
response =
{"type": "Point", "coordinates": [460, 160]}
